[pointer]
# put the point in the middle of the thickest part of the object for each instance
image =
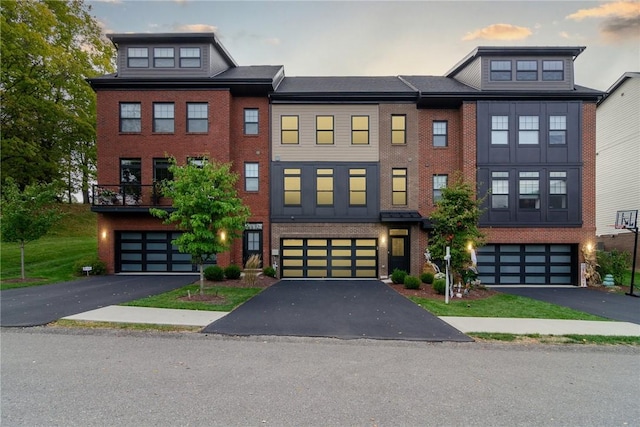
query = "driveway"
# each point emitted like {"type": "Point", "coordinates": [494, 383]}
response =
{"type": "Point", "coordinates": [39, 305]}
{"type": "Point", "coordinates": [345, 309]}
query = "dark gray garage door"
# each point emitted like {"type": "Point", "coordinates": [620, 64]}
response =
{"type": "Point", "coordinates": [528, 264]}
{"type": "Point", "coordinates": [356, 258]}
{"type": "Point", "coordinates": [150, 251]}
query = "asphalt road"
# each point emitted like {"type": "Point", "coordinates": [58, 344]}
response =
{"type": "Point", "coordinates": [108, 378]}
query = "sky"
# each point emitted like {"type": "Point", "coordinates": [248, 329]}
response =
{"type": "Point", "coordinates": [390, 38]}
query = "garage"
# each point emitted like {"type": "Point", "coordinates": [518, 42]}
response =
{"type": "Point", "coordinates": [329, 258]}
{"type": "Point", "coordinates": [150, 251]}
{"type": "Point", "coordinates": [531, 264]}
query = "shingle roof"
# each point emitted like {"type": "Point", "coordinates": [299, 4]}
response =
{"type": "Point", "coordinates": [437, 84]}
{"type": "Point", "coordinates": [250, 72]}
{"type": "Point", "coordinates": [351, 84]}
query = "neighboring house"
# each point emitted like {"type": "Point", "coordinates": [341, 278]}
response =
{"type": "Point", "coordinates": [350, 168]}
{"type": "Point", "coordinates": [618, 160]}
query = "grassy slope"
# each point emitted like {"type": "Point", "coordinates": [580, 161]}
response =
{"type": "Point", "coordinates": [51, 258]}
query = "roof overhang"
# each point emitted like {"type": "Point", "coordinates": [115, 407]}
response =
{"type": "Point", "coordinates": [400, 216]}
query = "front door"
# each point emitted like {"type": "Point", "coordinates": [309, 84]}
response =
{"type": "Point", "coordinates": [399, 249]}
{"type": "Point", "coordinates": [251, 244]}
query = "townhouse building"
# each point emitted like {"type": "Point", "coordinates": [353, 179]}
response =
{"type": "Point", "coordinates": [342, 173]}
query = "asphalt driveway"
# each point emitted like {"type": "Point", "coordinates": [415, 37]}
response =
{"type": "Point", "coordinates": [345, 309]}
{"type": "Point", "coordinates": [39, 305]}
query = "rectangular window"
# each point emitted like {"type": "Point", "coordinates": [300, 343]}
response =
{"type": "Point", "coordinates": [130, 117]}
{"type": "Point", "coordinates": [359, 130]}
{"type": "Point", "coordinates": [250, 121]}
{"type": "Point", "coordinates": [357, 187]}
{"type": "Point", "coordinates": [163, 117]}
{"type": "Point", "coordinates": [324, 187]}
{"type": "Point", "coordinates": [500, 70]}
{"type": "Point", "coordinates": [163, 57]}
{"type": "Point", "coordinates": [529, 190]}
{"type": "Point", "coordinates": [138, 57]}
{"type": "Point", "coordinates": [440, 134]}
{"type": "Point", "coordinates": [528, 130]}
{"type": "Point", "coordinates": [398, 129]}
{"type": "Point", "coordinates": [292, 187]}
{"type": "Point", "coordinates": [553, 70]}
{"type": "Point", "coordinates": [161, 170]}
{"type": "Point", "coordinates": [251, 178]}
{"type": "Point", "coordinates": [499, 130]}
{"type": "Point", "coordinates": [130, 180]}
{"type": "Point", "coordinates": [499, 190]}
{"type": "Point", "coordinates": [527, 70]}
{"type": "Point", "coordinates": [439, 182]}
{"type": "Point", "coordinates": [289, 129]}
{"type": "Point", "coordinates": [196, 161]}
{"type": "Point", "coordinates": [557, 130]}
{"type": "Point", "coordinates": [557, 190]}
{"type": "Point", "coordinates": [190, 57]}
{"type": "Point", "coordinates": [324, 130]}
{"type": "Point", "coordinates": [399, 187]}
{"type": "Point", "coordinates": [197, 117]}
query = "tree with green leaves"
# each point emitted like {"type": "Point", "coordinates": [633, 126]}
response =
{"type": "Point", "coordinates": [26, 215]}
{"type": "Point", "coordinates": [206, 208]}
{"type": "Point", "coordinates": [455, 221]}
{"type": "Point", "coordinates": [48, 121]}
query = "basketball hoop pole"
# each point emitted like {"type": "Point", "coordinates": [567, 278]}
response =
{"type": "Point", "coordinates": [635, 255]}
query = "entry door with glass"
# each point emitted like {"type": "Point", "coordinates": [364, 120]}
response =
{"type": "Point", "coordinates": [399, 249]}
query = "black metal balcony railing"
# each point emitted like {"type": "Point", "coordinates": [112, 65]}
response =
{"type": "Point", "coordinates": [130, 195]}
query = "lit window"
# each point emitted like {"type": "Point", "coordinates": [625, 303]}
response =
{"type": "Point", "coordinates": [357, 187]}
{"type": "Point", "coordinates": [197, 117]}
{"type": "Point", "coordinates": [130, 117]}
{"type": "Point", "coordinates": [439, 182]}
{"type": "Point", "coordinates": [190, 57]}
{"type": "Point", "coordinates": [553, 70]}
{"type": "Point", "coordinates": [163, 57]}
{"type": "Point", "coordinates": [440, 134]}
{"type": "Point", "coordinates": [251, 121]}
{"type": "Point", "coordinates": [251, 178]}
{"type": "Point", "coordinates": [499, 190]}
{"type": "Point", "coordinates": [499, 130]}
{"type": "Point", "coordinates": [292, 187]}
{"type": "Point", "coordinates": [526, 70]}
{"type": "Point", "coordinates": [557, 190]}
{"type": "Point", "coordinates": [529, 190]}
{"type": "Point", "coordinates": [163, 117]}
{"type": "Point", "coordinates": [324, 187]}
{"type": "Point", "coordinates": [399, 187]}
{"type": "Point", "coordinates": [557, 130]}
{"type": "Point", "coordinates": [398, 129]}
{"type": "Point", "coordinates": [500, 70]}
{"type": "Point", "coordinates": [289, 129]}
{"type": "Point", "coordinates": [359, 130]}
{"type": "Point", "coordinates": [138, 57]}
{"type": "Point", "coordinates": [324, 130]}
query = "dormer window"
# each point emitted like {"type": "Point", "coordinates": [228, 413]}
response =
{"type": "Point", "coordinates": [163, 57]}
{"type": "Point", "coordinates": [527, 70]}
{"type": "Point", "coordinates": [138, 57]}
{"type": "Point", "coordinates": [553, 70]}
{"type": "Point", "coordinates": [500, 70]}
{"type": "Point", "coordinates": [190, 57]}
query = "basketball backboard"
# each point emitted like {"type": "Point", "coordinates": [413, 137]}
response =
{"type": "Point", "coordinates": [627, 219]}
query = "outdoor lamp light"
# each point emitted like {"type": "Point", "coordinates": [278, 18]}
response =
{"type": "Point", "coordinates": [223, 236]}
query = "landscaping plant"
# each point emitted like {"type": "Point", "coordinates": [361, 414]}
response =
{"type": "Point", "coordinates": [411, 282]}
{"type": "Point", "coordinates": [397, 276]}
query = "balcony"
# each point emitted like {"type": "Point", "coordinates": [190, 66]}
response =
{"type": "Point", "coordinates": [127, 198]}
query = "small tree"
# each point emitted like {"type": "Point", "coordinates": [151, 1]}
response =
{"type": "Point", "coordinates": [206, 208]}
{"type": "Point", "coordinates": [26, 215]}
{"type": "Point", "coordinates": [456, 224]}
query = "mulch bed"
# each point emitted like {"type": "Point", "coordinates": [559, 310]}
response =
{"type": "Point", "coordinates": [426, 291]}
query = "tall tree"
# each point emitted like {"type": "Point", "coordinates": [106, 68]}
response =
{"type": "Point", "coordinates": [49, 48]}
{"type": "Point", "coordinates": [26, 215]}
{"type": "Point", "coordinates": [206, 208]}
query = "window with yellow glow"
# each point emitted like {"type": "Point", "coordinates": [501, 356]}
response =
{"type": "Point", "coordinates": [360, 130]}
{"type": "Point", "coordinates": [289, 129]}
{"type": "Point", "coordinates": [399, 187]}
{"type": "Point", "coordinates": [324, 130]}
{"type": "Point", "coordinates": [292, 187]}
{"type": "Point", "coordinates": [324, 187]}
{"type": "Point", "coordinates": [357, 187]}
{"type": "Point", "coordinates": [398, 129]}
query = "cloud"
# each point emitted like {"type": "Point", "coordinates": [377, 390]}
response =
{"type": "Point", "coordinates": [621, 20]}
{"type": "Point", "coordinates": [499, 32]}
{"type": "Point", "coordinates": [197, 28]}
{"type": "Point", "coordinates": [273, 41]}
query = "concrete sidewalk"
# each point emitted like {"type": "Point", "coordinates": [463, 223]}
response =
{"type": "Point", "coordinates": [198, 318]}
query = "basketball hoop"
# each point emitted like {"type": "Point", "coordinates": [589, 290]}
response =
{"type": "Point", "coordinates": [628, 220]}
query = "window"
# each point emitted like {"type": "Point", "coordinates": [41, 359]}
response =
{"type": "Point", "coordinates": [163, 117]}
{"type": "Point", "coordinates": [557, 190]}
{"type": "Point", "coordinates": [526, 70]}
{"type": "Point", "coordinates": [359, 130]}
{"type": "Point", "coordinates": [163, 57]}
{"type": "Point", "coordinates": [357, 187]}
{"type": "Point", "coordinates": [529, 190]}
{"type": "Point", "coordinates": [190, 57]}
{"type": "Point", "coordinates": [399, 187]}
{"type": "Point", "coordinates": [130, 179]}
{"type": "Point", "coordinates": [289, 129]}
{"type": "Point", "coordinates": [324, 130]}
{"type": "Point", "coordinates": [161, 170]}
{"type": "Point", "coordinates": [398, 129]}
{"type": "Point", "coordinates": [292, 187]}
{"type": "Point", "coordinates": [130, 117]}
{"type": "Point", "coordinates": [196, 161]}
{"type": "Point", "coordinates": [251, 178]}
{"type": "Point", "coordinates": [197, 117]}
{"type": "Point", "coordinates": [440, 134]}
{"type": "Point", "coordinates": [439, 182]}
{"type": "Point", "coordinates": [324, 187]}
{"type": "Point", "coordinates": [528, 130]}
{"type": "Point", "coordinates": [500, 70]}
{"type": "Point", "coordinates": [251, 121]}
{"type": "Point", "coordinates": [138, 57]}
{"type": "Point", "coordinates": [557, 130]}
{"type": "Point", "coordinates": [499, 190]}
{"type": "Point", "coordinates": [499, 130]}
{"type": "Point", "coordinates": [553, 70]}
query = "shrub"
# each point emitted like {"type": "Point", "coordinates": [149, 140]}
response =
{"type": "Point", "coordinates": [411, 282]}
{"type": "Point", "coordinates": [269, 271]}
{"type": "Point", "coordinates": [214, 272]}
{"type": "Point", "coordinates": [440, 286]}
{"type": "Point", "coordinates": [426, 278]}
{"type": "Point", "coordinates": [615, 263]}
{"type": "Point", "coordinates": [98, 267]}
{"type": "Point", "coordinates": [398, 276]}
{"type": "Point", "coordinates": [232, 272]}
